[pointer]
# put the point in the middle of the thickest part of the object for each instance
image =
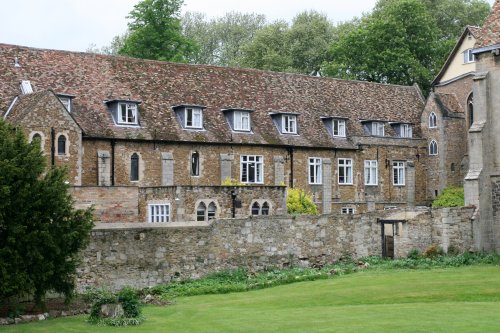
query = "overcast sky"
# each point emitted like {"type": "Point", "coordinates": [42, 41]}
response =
{"type": "Point", "coordinates": [76, 24]}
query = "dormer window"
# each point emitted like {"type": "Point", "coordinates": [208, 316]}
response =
{"type": "Point", "coordinates": [66, 100]}
{"type": "Point", "coordinates": [285, 122]}
{"type": "Point", "coordinates": [239, 119]}
{"type": "Point", "coordinates": [289, 124]}
{"type": "Point", "coordinates": [194, 118]}
{"type": "Point", "coordinates": [375, 128]}
{"type": "Point", "coordinates": [468, 56]}
{"type": "Point", "coordinates": [403, 130]}
{"type": "Point", "coordinates": [336, 126]}
{"type": "Point", "coordinates": [124, 112]}
{"type": "Point", "coordinates": [127, 113]}
{"type": "Point", "coordinates": [190, 116]}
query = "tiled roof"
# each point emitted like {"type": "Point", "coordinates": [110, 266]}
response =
{"type": "Point", "coordinates": [448, 104]}
{"type": "Point", "coordinates": [490, 32]}
{"type": "Point", "coordinates": [159, 86]}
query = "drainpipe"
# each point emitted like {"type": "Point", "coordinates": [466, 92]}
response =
{"type": "Point", "coordinates": [290, 153]}
{"type": "Point", "coordinates": [53, 146]}
{"type": "Point", "coordinates": [113, 142]}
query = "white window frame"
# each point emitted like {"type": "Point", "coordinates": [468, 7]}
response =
{"type": "Point", "coordinates": [249, 161]}
{"type": "Point", "coordinates": [130, 110]}
{"type": "Point", "coordinates": [433, 148]}
{"type": "Point", "coordinates": [338, 128]}
{"type": "Point", "coordinates": [398, 173]}
{"type": "Point", "coordinates": [66, 101]}
{"type": "Point", "coordinates": [469, 56]}
{"type": "Point", "coordinates": [347, 210]}
{"type": "Point", "coordinates": [241, 121]}
{"type": "Point", "coordinates": [432, 120]}
{"type": "Point", "coordinates": [371, 172]}
{"type": "Point", "coordinates": [289, 124]}
{"type": "Point", "coordinates": [158, 212]}
{"type": "Point", "coordinates": [346, 165]}
{"type": "Point", "coordinates": [378, 128]}
{"type": "Point", "coordinates": [406, 131]}
{"type": "Point", "coordinates": [196, 118]}
{"type": "Point", "coordinates": [315, 167]}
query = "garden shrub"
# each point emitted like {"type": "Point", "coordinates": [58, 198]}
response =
{"type": "Point", "coordinates": [413, 254]}
{"type": "Point", "coordinates": [298, 202]}
{"type": "Point", "coordinates": [232, 182]}
{"type": "Point", "coordinates": [127, 298]}
{"type": "Point", "coordinates": [451, 197]}
{"type": "Point", "coordinates": [453, 250]}
{"type": "Point", "coordinates": [433, 251]}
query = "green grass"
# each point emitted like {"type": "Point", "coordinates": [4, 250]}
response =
{"type": "Point", "coordinates": [463, 299]}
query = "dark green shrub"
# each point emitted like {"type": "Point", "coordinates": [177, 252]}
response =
{"type": "Point", "coordinates": [450, 197]}
{"type": "Point", "coordinates": [413, 254]}
{"type": "Point", "coordinates": [129, 300]}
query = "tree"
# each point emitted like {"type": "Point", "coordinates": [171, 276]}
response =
{"type": "Point", "coordinates": [40, 232]}
{"type": "Point", "coordinates": [396, 44]}
{"type": "Point", "coordinates": [299, 48]}
{"type": "Point", "coordinates": [156, 33]}
{"type": "Point", "coordinates": [220, 40]}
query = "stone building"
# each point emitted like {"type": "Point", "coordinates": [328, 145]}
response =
{"type": "Point", "coordinates": [158, 133]}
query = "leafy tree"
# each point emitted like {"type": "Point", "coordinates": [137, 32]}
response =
{"type": "Point", "coordinates": [269, 49]}
{"type": "Point", "coordinates": [298, 202]}
{"type": "Point", "coordinates": [309, 37]}
{"type": "Point", "coordinates": [396, 44]}
{"type": "Point", "coordinates": [40, 232]}
{"type": "Point", "coordinates": [156, 33]}
{"type": "Point", "coordinates": [220, 40]}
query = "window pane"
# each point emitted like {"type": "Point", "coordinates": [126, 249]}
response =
{"type": "Point", "coordinates": [134, 167]}
{"type": "Point", "coordinates": [211, 211]}
{"type": "Point", "coordinates": [200, 212]}
{"type": "Point", "coordinates": [195, 164]}
{"type": "Point", "coordinates": [61, 145]}
{"type": "Point", "coordinates": [265, 209]}
{"type": "Point", "coordinates": [255, 208]}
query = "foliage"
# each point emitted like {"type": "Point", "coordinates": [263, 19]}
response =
{"type": "Point", "coordinates": [240, 280]}
{"type": "Point", "coordinates": [450, 197]}
{"type": "Point", "coordinates": [396, 44]}
{"type": "Point", "coordinates": [298, 202]}
{"type": "Point", "coordinates": [155, 32]}
{"type": "Point", "coordinates": [433, 251]}
{"type": "Point", "coordinates": [127, 297]}
{"type": "Point", "coordinates": [300, 48]}
{"type": "Point", "coordinates": [232, 182]}
{"type": "Point", "coordinates": [41, 234]}
{"type": "Point", "coordinates": [220, 40]}
{"type": "Point", "coordinates": [413, 254]}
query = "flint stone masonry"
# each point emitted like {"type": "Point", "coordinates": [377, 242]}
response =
{"type": "Point", "coordinates": [142, 255]}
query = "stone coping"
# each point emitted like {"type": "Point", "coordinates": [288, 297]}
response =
{"type": "Point", "coordinates": [168, 225]}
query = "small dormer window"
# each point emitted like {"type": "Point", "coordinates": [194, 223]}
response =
{"type": "Point", "coordinates": [66, 100]}
{"type": "Point", "coordinates": [289, 124]}
{"type": "Point", "coordinates": [468, 56]}
{"type": "Point", "coordinates": [338, 127]}
{"type": "Point", "coordinates": [127, 113]}
{"type": "Point", "coordinates": [375, 128]}
{"type": "Point", "coordinates": [241, 120]}
{"type": "Point", "coordinates": [193, 117]}
{"type": "Point", "coordinates": [403, 130]}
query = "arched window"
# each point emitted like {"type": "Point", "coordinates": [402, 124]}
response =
{"type": "Point", "coordinates": [200, 212]}
{"type": "Point", "coordinates": [432, 120]}
{"type": "Point", "coordinates": [61, 145]}
{"type": "Point", "coordinates": [195, 164]}
{"type": "Point", "coordinates": [134, 167]}
{"type": "Point", "coordinates": [265, 208]}
{"type": "Point", "coordinates": [470, 109]}
{"type": "Point", "coordinates": [212, 209]}
{"type": "Point", "coordinates": [433, 148]}
{"type": "Point", "coordinates": [36, 136]}
{"type": "Point", "coordinates": [255, 208]}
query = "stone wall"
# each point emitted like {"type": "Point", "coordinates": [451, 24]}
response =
{"type": "Point", "coordinates": [146, 255]}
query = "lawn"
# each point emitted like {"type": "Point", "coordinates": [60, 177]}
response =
{"type": "Point", "coordinates": [465, 299]}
